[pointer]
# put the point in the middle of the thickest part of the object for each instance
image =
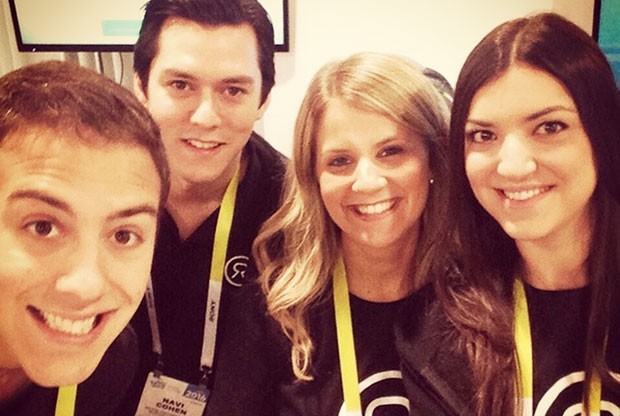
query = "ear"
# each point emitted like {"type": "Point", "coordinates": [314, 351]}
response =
{"type": "Point", "coordinates": [138, 89]}
{"type": "Point", "coordinates": [263, 108]}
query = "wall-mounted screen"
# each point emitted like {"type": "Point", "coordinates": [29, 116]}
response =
{"type": "Point", "coordinates": [100, 26]}
{"type": "Point", "coordinates": [606, 31]}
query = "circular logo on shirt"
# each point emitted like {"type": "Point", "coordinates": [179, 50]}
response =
{"type": "Point", "coordinates": [235, 270]}
{"type": "Point", "coordinates": [564, 397]}
{"type": "Point", "coordinates": [382, 393]}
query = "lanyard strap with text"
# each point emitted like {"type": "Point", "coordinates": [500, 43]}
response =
{"type": "Point", "coordinates": [218, 262]}
{"type": "Point", "coordinates": [65, 402]}
{"type": "Point", "coordinates": [523, 342]}
{"type": "Point", "coordinates": [346, 344]}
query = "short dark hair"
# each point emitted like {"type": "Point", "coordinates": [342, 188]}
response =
{"type": "Point", "coordinates": [63, 96]}
{"type": "Point", "coordinates": [206, 13]}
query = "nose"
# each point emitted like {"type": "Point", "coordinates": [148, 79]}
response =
{"type": "Point", "coordinates": [368, 177]}
{"type": "Point", "coordinates": [206, 112]}
{"type": "Point", "coordinates": [83, 280]}
{"type": "Point", "coordinates": [516, 158]}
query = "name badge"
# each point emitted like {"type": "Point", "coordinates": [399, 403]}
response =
{"type": "Point", "coordinates": [166, 396]}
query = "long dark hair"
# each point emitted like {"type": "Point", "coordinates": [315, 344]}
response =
{"type": "Point", "coordinates": [478, 295]}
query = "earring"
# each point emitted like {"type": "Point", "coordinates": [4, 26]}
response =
{"type": "Point", "coordinates": [431, 181]}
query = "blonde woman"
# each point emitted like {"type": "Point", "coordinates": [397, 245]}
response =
{"type": "Point", "coordinates": [359, 230]}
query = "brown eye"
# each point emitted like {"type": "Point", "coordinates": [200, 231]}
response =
{"type": "Point", "coordinates": [551, 127]}
{"type": "Point", "coordinates": [124, 237]}
{"type": "Point", "coordinates": [43, 228]}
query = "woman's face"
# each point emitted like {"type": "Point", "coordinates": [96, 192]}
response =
{"type": "Point", "coordinates": [528, 159]}
{"type": "Point", "coordinates": [373, 176]}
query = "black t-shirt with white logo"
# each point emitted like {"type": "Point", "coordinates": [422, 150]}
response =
{"type": "Point", "coordinates": [558, 322]}
{"type": "Point", "coordinates": [377, 362]}
{"type": "Point", "coordinates": [180, 276]}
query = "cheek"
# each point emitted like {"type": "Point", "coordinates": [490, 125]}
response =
{"type": "Point", "coordinates": [164, 110]}
{"type": "Point", "coordinates": [475, 167]}
{"type": "Point", "coordinates": [130, 275]}
{"type": "Point", "coordinates": [331, 194]}
{"type": "Point", "coordinates": [240, 120]}
{"type": "Point", "coordinates": [18, 269]}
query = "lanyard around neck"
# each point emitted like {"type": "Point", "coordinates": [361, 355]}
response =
{"type": "Point", "coordinates": [65, 402]}
{"type": "Point", "coordinates": [218, 263]}
{"type": "Point", "coordinates": [346, 344]}
{"type": "Point", "coordinates": [523, 342]}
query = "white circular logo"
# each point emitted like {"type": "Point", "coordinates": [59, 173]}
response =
{"type": "Point", "coordinates": [235, 270]}
{"type": "Point", "coordinates": [383, 396]}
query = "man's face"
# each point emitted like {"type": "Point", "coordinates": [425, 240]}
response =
{"type": "Point", "coordinates": [77, 231]}
{"type": "Point", "coordinates": [204, 91]}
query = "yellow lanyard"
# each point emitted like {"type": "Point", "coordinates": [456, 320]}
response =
{"type": "Point", "coordinates": [65, 402]}
{"type": "Point", "coordinates": [346, 344]}
{"type": "Point", "coordinates": [218, 264]}
{"type": "Point", "coordinates": [523, 342]}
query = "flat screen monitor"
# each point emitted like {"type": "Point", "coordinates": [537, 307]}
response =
{"type": "Point", "coordinates": [606, 31]}
{"type": "Point", "coordinates": [100, 25]}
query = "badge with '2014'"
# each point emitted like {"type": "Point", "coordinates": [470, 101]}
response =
{"type": "Point", "coordinates": [166, 396]}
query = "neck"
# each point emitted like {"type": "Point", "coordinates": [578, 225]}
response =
{"type": "Point", "coordinates": [557, 266]}
{"type": "Point", "coordinates": [378, 275]}
{"type": "Point", "coordinates": [190, 204]}
{"type": "Point", "coordinates": [12, 381]}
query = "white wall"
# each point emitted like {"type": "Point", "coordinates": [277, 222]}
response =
{"type": "Point", "coordinates": [436, 33]}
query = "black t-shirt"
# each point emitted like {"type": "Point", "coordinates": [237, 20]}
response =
{"type": "Point", "coordinates": [96, 396]}
{"type": "Point", "coordinates": [382, 391]}
{"type": "Point", "coordinates": [180, 275]}
{"type": "Point", "coordinates": [558, 322]}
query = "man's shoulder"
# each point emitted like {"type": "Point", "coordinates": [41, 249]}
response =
{"type": "Point", "coordinates": [260, 149]}
{"type": "Point", "coordinates": [266, 167]}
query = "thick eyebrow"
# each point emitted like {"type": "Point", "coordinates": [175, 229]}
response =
{"type": "Point", "coordinates": [147, 209]}
{"type": "Point", "coordinates": [241, 79]}
{"type": "Point", "coordinates": [176, 73]}
{"type": "Point", "coordinates": [480, 123]}
{"type": "Point", "coordinates": [549, 110]}
{"type": "Point", "coordinates": [43, 197]}
{"type": "Point", "coordinates": [531, 117]}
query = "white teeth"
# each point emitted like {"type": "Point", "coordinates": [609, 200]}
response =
{"type": "Point", "coordinates": [202, 145]}
{"type": "Point", "coordinates": [375, 208]}
{"type": "Point", "coordinates": [523, 195]}
{"type": "Point", "coordinates": [81, 327]}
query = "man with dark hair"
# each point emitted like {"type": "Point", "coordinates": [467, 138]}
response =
{"type": "Point", "coordinates": [204, 69]}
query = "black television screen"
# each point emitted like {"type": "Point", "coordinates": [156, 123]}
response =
{"type": "Point", "coordinates": [606, 31]}
{"type": "Point", "coordinates": [100, 26]}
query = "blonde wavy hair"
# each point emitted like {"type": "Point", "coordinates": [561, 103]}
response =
{"type": "Point", "coordinates": [297, 247]}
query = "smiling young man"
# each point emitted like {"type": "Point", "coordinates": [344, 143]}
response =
{"type": "Point", "coordinates": [82, 177]}
{"type": "Point", "coordinates": [204, 69]}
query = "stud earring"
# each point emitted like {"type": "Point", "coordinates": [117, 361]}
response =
{"type": "Point", "coordinates": [431, 181]}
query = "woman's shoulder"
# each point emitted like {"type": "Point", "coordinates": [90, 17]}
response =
{"type": "Point", "coordinates": [421, 324]}
{"type": "Point", "coordinates": [435, 368]}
